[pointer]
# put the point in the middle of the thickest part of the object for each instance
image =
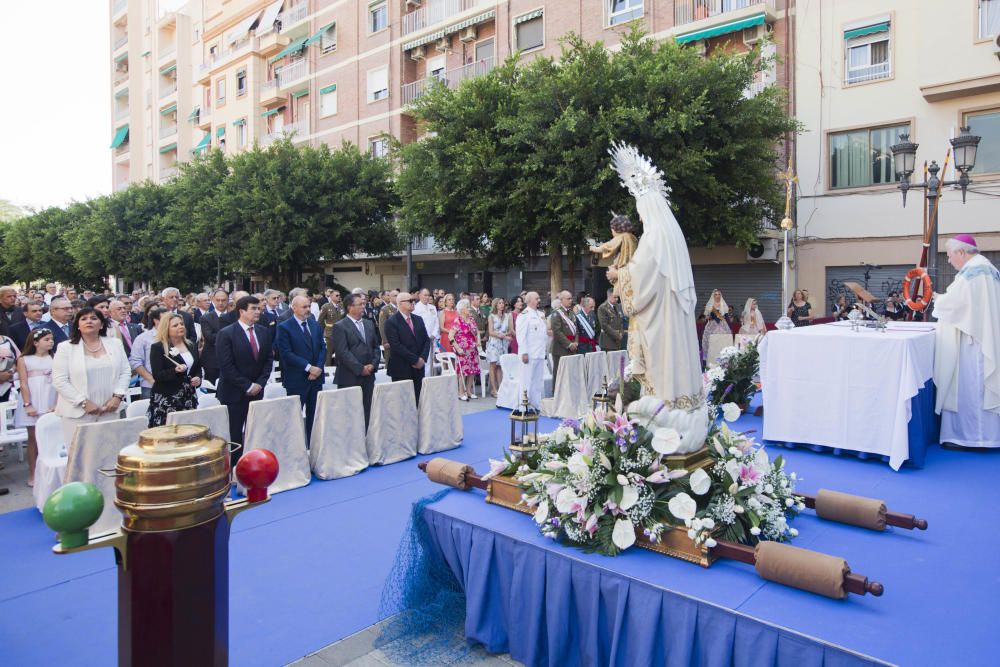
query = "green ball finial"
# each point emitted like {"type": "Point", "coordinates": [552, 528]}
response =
{"type": "Point", "coordinates": [71, 510]}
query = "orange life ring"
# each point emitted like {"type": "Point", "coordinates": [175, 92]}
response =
{"type": "Point", "coordinates": [924, 298]}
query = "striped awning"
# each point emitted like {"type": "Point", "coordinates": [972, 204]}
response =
{"type": "Point", "coordinates": [168, 70]}
{"type": "Point", "coordinates": [121, 134]}
{"type": "Point", "coordinates": [272, 112]}
{"type": "Point", "coordinates": [240, 121]}
{"type": "Point", "coordinates": [328, 89]}
{"type": "Point", "coordinates": [723, 28]}
{"type": "Point", "coordinates": [172, 108]}
{"type": "Point", "coordinates": [300, 93]}
{"type": "Point", "coordinates": [194, 114]}
{"type": "Point", "coordinates": [205, 142]}
{"type": "Point", "coordinates": [434, 36]}
{"type": "Point", "coordinates": [294, 47]}
{"type": "Point", "coordinates": [169, 147]}
{"type": "Point", "coordinates": [319, 33]}
{"type": "Point", "coordinates": [867, 30]}
{"type": "Point", "coordinates": [530, 15]}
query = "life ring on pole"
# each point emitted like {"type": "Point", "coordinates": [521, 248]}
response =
{"type": "Point", "coordinates": [919, 301]}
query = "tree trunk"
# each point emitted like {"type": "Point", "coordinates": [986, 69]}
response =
{"type": "Point", "coordinates": [555, 271]}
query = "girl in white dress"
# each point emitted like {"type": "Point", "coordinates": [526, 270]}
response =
{"type": "Point", "coordinates": [38, 396]}
{"type": "Point", "coordinates": [500, 334]}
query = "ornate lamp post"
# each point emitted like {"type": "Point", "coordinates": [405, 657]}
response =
{"type": "Point", "coordinates": [904, 156]}
{"type": "Point", "coordinates": [785, 322]}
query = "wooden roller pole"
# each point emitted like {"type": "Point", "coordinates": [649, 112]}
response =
{"type": "Point", "coordinates": [907, 521]}
{"type": "Point", "coordinates": [853, 583]}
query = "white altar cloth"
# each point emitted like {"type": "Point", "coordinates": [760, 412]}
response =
{"type": "Point", "coordinates": [828, 385]}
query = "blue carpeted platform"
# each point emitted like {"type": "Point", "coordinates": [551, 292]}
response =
{"type": "Point", "coordinates": [307, 569]}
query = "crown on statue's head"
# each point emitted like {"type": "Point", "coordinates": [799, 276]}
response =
{"type": "Point", "coordinates": [638, 173]}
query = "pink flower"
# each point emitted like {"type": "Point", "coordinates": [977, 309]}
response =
{"type": "Point", "coordinates": [621, 424]}
{"type": "Point", "coordinates": [748, 475]}
{"type": "Point", "coordinates": [585, 447]}
{"type": "Point", "coordinates": [591, 526]}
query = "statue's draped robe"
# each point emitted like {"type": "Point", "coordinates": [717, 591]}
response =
{"type": "Point", "coordinates": [967, 356]}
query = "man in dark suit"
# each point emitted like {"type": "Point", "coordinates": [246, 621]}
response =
{"type": "Point", "coordinates": [230, 318]}
{"type": "Point", "coordinates": [210, 326]}
{"type": "Point", "coordinates": [355, 345]}
{"type": "Point", "coordinates": [10, 312]}
{"type": "Point", "coordinates": [407, 338]}
{"type": "Point", "coordinates": [61, 312]}
{"type": "Point", "coordinates": [32, 320]}
{"type": "Point", "coordinates": [171, 300]}
{"type": "Point", "coordinates": [302, 350]}
{"type": "Point", "coordinates": [244, 352]}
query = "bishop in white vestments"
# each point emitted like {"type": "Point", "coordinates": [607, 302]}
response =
{"type": "Point", "coordinates": [967, 354]}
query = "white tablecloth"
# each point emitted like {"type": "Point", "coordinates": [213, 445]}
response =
{"type": "Point", "coordinates": [828, 385]}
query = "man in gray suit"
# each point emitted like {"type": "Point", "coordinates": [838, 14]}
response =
{"type": "Point", "coordinates": [355, 345]}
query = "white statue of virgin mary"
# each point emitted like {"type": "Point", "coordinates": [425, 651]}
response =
{"type": "Point", "coordinates": [658, 295]}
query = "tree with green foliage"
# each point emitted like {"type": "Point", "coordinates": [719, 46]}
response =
{"type": "Point", "coordinates": [35, 248]}
{"type": "Point", "coordinates": [515, 162]}
{"type": "Point", "coordinates": [297, 207]}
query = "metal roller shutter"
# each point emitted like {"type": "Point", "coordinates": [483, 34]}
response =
{"type": "Point", "coordinates": [739, 282]}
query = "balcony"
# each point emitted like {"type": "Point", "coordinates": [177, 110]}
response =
{"type": "Point", "coordinates": [121, 113]}
{"type": "Point", "coordinates": [269, 92]}
{"type": "Point", "coordinates": [689, 11]}
{"type": "Point", "coordinates": [869, 73]}
{"type": "Point", "coordinates": [168, 131]}
{"type": "Point", "coordinates": [118, 7]}
{"type": "Point", "coordinates": [289, 74]}
{"type": "Point", "coordinates": [120, 77]}
{"type": "Point", "coordinates": [119, 43]}
{"type": "Point", "coordinates": [438, 11]}
{"type": "Point", "coordinates": [122, 149]}
{"type": "Point", "coordinates": [295, 131]}
{"type": "Point", "coordinates": [290, 17]}
{"type": "Point", "coordinates": [168, 89]}
{"type": "Point", "coordinates": [205, 118]}
{"type": "Point", "coordinates": [167, 50]}
{"type": "Point", "coordinates": [451, 78]}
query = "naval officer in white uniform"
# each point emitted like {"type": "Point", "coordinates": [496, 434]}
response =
{"type": "Point", "coordinates": [532, 340]}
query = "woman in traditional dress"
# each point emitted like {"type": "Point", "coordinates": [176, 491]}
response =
{"type": "Point", "coordinates": [176, 371]}
{"type": "Point", "coordinates": [753, 320]}
{"type": "Point", "coordinates": [465, 341]}
{"type": "Point", "coordinates": [500, 335]}
{"type": "Point", "coordinates": [717, 321]}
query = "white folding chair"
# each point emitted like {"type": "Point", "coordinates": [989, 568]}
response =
{"type": "Point", "coordinates": [484, 371]}
{"type": "Point", "coordinates": [137, 408]}
{"type": "Point", "coordinates": [447, 361]}
{"type": "Point", "coordinates": [207, 401]}
{"type": "Point", "coordinates": [133, 394]}
{"type": "Point", "coordinates": [50, 468]}
{"type": "Point", "coordinates": [10, 435]}
{"type": "Point", "coordinates": [274, 391]}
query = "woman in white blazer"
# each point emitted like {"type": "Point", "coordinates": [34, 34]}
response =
{"type": "Point", "coordinates": [90, 374]}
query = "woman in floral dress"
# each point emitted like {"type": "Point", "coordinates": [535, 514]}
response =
{"type": "Point", "coordinates": [465, 343]}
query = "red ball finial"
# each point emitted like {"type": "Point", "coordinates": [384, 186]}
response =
{"type": "Point", "coordinates": [257, 470]}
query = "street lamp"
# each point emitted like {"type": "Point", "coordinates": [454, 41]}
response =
{"type": "Point", "coordinates": [904, 156]}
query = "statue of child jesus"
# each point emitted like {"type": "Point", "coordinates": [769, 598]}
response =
{"type": "Point", "coordinates": [623, 242]}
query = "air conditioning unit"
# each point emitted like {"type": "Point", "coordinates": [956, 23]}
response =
{"type": "Point", "coordinates": [443, 44]}
{"type": "Point", "coordinates": [765, 250]}
{"type": "Point", "coordinates": [468, 34]}
{"type": "Point", "coordinates": [996, 45]}
{"type": "Point", "coordinates": [418, 53]}
{"type": "Point", "coordinates": [754, 34]}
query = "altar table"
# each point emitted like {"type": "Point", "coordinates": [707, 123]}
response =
{"type": "Point", "coordinates": [866, 391]}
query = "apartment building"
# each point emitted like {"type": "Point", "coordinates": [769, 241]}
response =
{"type": "Point", "coordinates": [867, 71]}
{"type": "Point", "coordinates": [329, 71]}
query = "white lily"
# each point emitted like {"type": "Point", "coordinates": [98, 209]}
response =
{"type": "Point", "coordinates": [666, 440]}
{"type": "Point", "coordinates": [730, 412]}
{"type": "Point", "coordinates": [623, 534]}
{"type": "Point", "coordinates": [605, 461]}
{"type": "Point", "coordinates": [579, 464]}
{"type": "Point", "coordinates": [664, 475]}
{"type": "Point", "coordinates": [542, 513]}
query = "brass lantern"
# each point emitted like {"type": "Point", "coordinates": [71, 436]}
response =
{"type": "Point", "coordinates": [523, 429]}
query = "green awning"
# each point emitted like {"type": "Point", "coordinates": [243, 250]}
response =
{"type": "Point", "coordinates": [168, 148]}
{"type": "Point", "coordinates": [205, 142]}
{"type": "Point", "coordinates": [867, 30]}
{"type": "Point", "coordinates": [530, 15]}
{"type": "Point", "coordinates": [240, 121]}
{"type": "Point", "coordinates": [122, 93]}
{"type": "Point", "coordinates": [315, 38]}
{"type": "Point", "coordinates": [121, 134]}
{"type": "Point", "coordinates": [172, 108]}
{"type": "Point", "coordinates": [328, 89]}
{"type": "Point", "coordinates": [195, 113]}
{"type": "Point", "coordinates": [455, 27]}
{"type": "Point", "coordinates": [722, 29]}
{"type": "Point", "coordinates": [220, 131]}
{"type": "Point", "coordinates": [271, 112]}
{"type": "Point", "coordinates": [294, 47]}
{"type": "Point", "coordinates": [168, 70]}
{"type": "Point", "coordinates": [146, 53]}
{"type": "Point", "coordinates": [300, 93]}
{"type": "Point", "coordinates": [122, 57]}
